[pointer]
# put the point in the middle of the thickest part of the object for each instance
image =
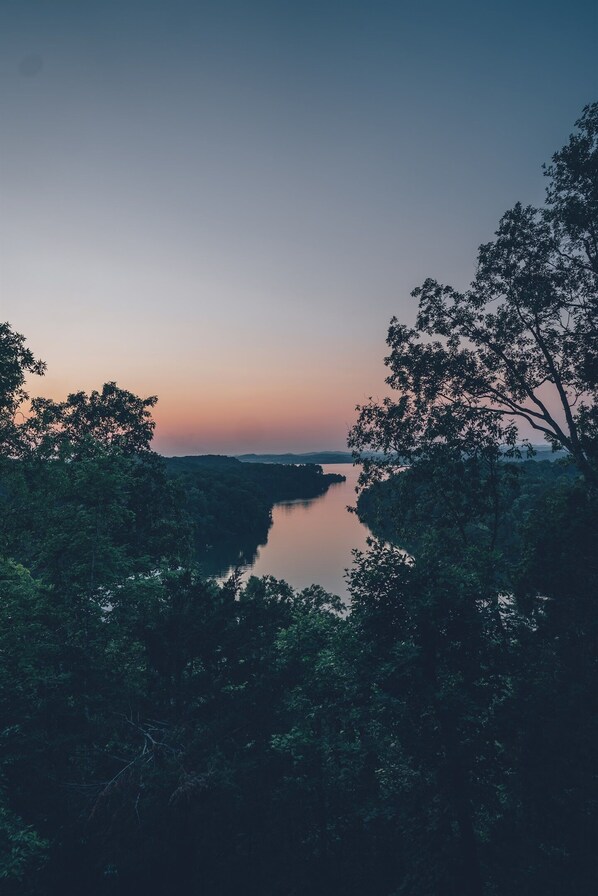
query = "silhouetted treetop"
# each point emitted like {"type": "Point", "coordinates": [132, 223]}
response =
{"type": "Point", "coordinates": [519, 346]}
{"type": "Point", "coordinates": [16, 361]}
{"type": "Point", "coordinates": [113, 420]}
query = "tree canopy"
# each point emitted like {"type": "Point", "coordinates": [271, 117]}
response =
{"type": "Point", "coordinates": [161, 732]}
{"type": "Point", "coordinates": [520, 346]}
{"type": "Point", "coordinates": [16, 361]}
{"type": "Point", "coordinates": [113, 420]}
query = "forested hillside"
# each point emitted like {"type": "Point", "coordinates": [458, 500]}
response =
{"type": "Point", "coordinates": [397, 508]}
{"type": "Point", "coordinates": [162, 734]}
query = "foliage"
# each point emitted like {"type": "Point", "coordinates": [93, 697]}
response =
{"type": "Point", "coordinates": [487, 634]}
{"type": "Point", "coordinates": [16, 361]}
{"type": "Point", "coordinates": [113, 421]}
{"type": "Point", "coordinates": [518, 346]}
{"type": "Point", "coordinates": [161, 733]}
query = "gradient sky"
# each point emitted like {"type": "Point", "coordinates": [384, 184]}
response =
{"type": "Point", "coordinates": [223, 203]}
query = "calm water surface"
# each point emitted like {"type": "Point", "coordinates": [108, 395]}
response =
{"type": "Point", "coordinates": [311, 541]}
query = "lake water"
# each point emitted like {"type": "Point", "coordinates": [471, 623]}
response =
{"type": "Point", "coordinates": [311, 541]}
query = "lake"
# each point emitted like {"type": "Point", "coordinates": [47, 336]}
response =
{"type": "Point", "coordinates": [311, 541]}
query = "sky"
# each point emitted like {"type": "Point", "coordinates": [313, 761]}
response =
{"type": "Point", "coordinates": [224, 203]}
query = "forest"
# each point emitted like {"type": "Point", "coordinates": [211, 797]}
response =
{"type": "Point", "coordinates": [161, 733]}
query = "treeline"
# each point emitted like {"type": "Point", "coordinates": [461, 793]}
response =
{"type": "Point", "coordinates": [163, 734]}
{"type": "Point", "coordinates": [396, 507]}
{"type": "Point", "coordinates": [272, 481]}
{"type": "Point", "coordinates": [160, 734]}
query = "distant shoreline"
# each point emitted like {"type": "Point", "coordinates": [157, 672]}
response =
{"type": "Point", "coordinates": [312, 457]}
{"type": "Point", "coordinates": [542, 452]}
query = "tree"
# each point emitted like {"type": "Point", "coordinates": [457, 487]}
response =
{"type": "Point", "coordinates": [519, 346]}
{"type": "Point", "coordinates": [16, 361]}
{"type": "Point", "coordinates": [112, 421]}
{"type": "Point", "coordinates": [498, 604]}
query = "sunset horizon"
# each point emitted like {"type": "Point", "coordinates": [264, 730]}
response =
{"type": "Point", "coordinates": [225, 205]}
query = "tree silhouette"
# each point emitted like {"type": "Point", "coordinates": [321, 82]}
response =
{"type": "Point", "coordinates": [519, 346]}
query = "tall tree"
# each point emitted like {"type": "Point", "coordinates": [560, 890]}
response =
{"type": "Point", "coordinates": [113, 421]}
{"type": "Point", "coordinates": [16, 361]}
{"type": "Point", "coordinates": [518, 347]}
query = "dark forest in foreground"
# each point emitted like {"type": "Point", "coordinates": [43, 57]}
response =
{"type": "Point", "coordinates": [161, 734]}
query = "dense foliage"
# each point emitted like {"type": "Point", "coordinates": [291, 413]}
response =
{"type": "Point", "coordinates": [161, 734]}
{"type": "Point", "coordinates": [518, 347]}
{"type": "Point", "coordinates": [494, 610]}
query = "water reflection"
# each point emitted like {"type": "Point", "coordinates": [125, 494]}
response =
{"type": "Point", "coordinates": [218, 559]}
{"type": "Point", "coordinates": [310, 541]}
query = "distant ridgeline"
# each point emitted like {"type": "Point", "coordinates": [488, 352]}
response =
{"type": "Point", "coordinates": [541, 452]}
{"type": "Point", "coordinates": [230, 502]}
{"type": "Point", "coordinates": [314, 457]}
